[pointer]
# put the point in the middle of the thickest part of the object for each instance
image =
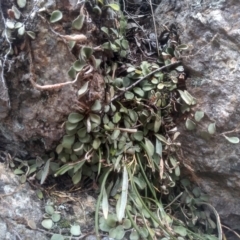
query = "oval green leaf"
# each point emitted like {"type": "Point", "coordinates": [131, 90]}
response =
{"type": "Point", "coordinates": [85, 53]}
{"type": "Point", "coordinates": [134, 235]}
{"type": "Point", "coordinates": [68, 141]}
{"type": "Point", "coordinates": [77, 177]}
{"type": "Point", "coordinates": [18, 171]}
{"type": "Point", "coordinates": [149, 147]}
{"type": "Point", "coordinates": [233, 140]}
{"type": "Point", "coordinates": [56, 217]}
{"type": "Point", "coordinates": [116, 117]}
{"type": "Point", "coordinates": [21, 3]}
{"type": "Point", "coordinates": [56, 16]}
{"type": "Point", "coordinates": [47, 223]}
{"type": "Point", "coordinates": [198, 115]}
{"type": "Point", "coordinates": [138, 91]}
{"type": "Point", "coordinates": [182, 231]}
{"type": "Point", "coordinates": [138, 136]}
{"type": "Point", "coordinates": [75, 117]}
{"type": "Point", "coordinates": [78, 22]}
{"type": "Point", "coordinates": [212, 128]}
{"type": "Point", "coordinates": [49, 209]}
{"type": "Point", "coordinates": [129, 95]}
{"type": "Point", "coordinates": [96, 143]}
{"type": "Point", "coordinates": [57, 237]}
{"type": "Point", "coordinates": [45, 171]}
{"type": "Point", "coordinates": [96, 107]}
{"type": "Point", "coordinates": [31, 34]}
{"type": "Point", "coordinates": [190, 125]}
{"type": "Point", "coordinates": [21, 30]}
{"type": "Point", "coordinates": [83, 90]}
{"type": "Point", "coordinates": [114, 6]}
{"type": "Point", "coordinates": [78, 65]}
{"type": "Point", "coordinates": [75, 230]}
{"type": "Point", "coordinates": [105, 203]}
{"type": "Point", "coordinates": [72, 73]}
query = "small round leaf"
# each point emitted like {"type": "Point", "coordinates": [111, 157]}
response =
{"type": "Point", "coordinates": [68, 141]}
{"type": "Point", "coordinates": [31, 34]}
{"type": "Point", "coordinates": [96, 143]}
{"type": "Point", "coordinates": [190, 125]}
{"type": "Point", "coordinates": [75, 117]}
{"type": "Point", "coordinates": [18, 171]}
{"type": "Point", "coordinates": [96, 106]}
{"type": "Point", "coordinates": [78, 65]}
{"type": "Point", "coordinates": [138, 136]}
{"type": "Point", "coordinates": [55, 16]}
{"type": "Point", "coordinates": [78, 22]}
{"type": "Point", "coordinates": [32, 224]}
{"type": "Point", "coordinates": [75, 230]}
{"type": "Point", "coordinates": [126, 224]}
{"type": "Point", "coordinates": [72, 73]}
{"type": "Point", "coordinates": [57, 237]}
{"type": "Point", "coordinates": [17, 13]}
{"type": "Point", "coordinates": [182, 231]}
{"type": "Point", "coordinates": [49, 209]}
{"type": "Point", "coordinates": [21, 3]}
{"type": "Point", "coordinates": [129, 95]}
{"type": "Point", "coordinates": [21, 30]}
{"type": "Point", "coordinates": [198, 115]}
{"type": "Point", "coordinates": [134, 235]}
{"type": "Point", "coordinates": [212, 128]}
{"type": "Point", "coordinates": [113, 6]}
{"type": "Point", "coordinates": [39, 194]}
{"type": "Point", "coordinates": [233, 140]}
{"type": "Point", "coordinates": [47, 223]}
{"type": "Point", "coordinates": [56, 217]}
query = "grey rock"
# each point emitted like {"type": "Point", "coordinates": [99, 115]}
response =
{"type": "Point", "coordinates": [19, 205]}
{"type": "Point", "coordinates": [211, 29]}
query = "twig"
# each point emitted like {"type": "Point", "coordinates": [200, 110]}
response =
{"type": "Point", "coordinates": [155, 28]}
{"type": "Point", "coordinates": [141, 79]}
{"type": "Point", "coordinates": [232, 131]}
{"type": "Point", "coordinates": [74, 37]}
{"type": "Point", "coordinates": [144, 32]}
{"type": "Point", "coordinates": [201, 49]}
{"type": "Point", "coordinates": [53, 86]}
{"type": "Point", "coordinates": [16, 233]}
{"type": "Point", "coordinates": [231, 231]}
{"type": "Point", "coordinates": [217, 219]}
{"type": "Point", "coordinates": [178, 196]}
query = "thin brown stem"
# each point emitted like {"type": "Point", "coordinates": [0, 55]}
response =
{"type": "Point", "coordinates": [155, 28]}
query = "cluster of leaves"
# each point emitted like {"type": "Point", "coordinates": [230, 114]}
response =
{"type": "Point", "coordinates": [52, 217]}
{"type": "Point", "coordinates": [40, 167]}
{"type": "Point", "coordinates": [116, 39]}
{"type": "Point", "coordinates": [13, 23]}
{"type": "Point", "coordinates": [189, 207]}
{"type": "Point", "coordinates": [193, 123]}
{"type": "Point", "coordinates": [128, 143]}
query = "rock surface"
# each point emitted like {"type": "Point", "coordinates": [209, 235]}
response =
{"type": "Point", "coordinates": [20, 206]}
{"type": "Point", "coordinates": [211, 29]}
{"type": "Point", "coordinates": [33, 123]}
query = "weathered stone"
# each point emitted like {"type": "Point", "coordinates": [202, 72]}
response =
{"type": "Point", "coordinates": [34, 123]}
{"type": "Point", "coordinates": [211, 29]}
{"type": "Point", "coordinates": [19, 205]}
